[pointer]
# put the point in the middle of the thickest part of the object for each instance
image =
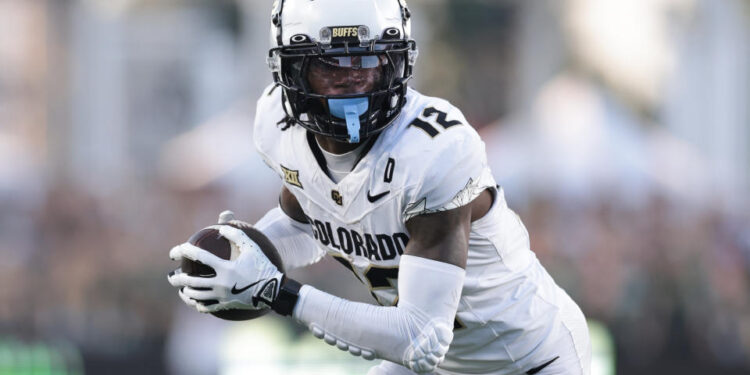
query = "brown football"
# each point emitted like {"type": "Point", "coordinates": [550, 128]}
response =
{"type": "Point", "coordinates": [209, 239]}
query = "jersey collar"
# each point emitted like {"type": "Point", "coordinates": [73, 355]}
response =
{"type": "Point", "coordinates": [318, 154]}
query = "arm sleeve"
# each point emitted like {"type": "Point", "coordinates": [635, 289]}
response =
{"type": "Point", "coordinates": [417, 333]}
{"type": "Point", "coordinates": [292, 239]}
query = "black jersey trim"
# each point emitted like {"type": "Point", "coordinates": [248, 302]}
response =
{"type": "Point", "coordinates": [317, 153]}
{"type": "Point", "coordinates": [322, 160]}
{"type": "Point", "coordinates": [368, 146]}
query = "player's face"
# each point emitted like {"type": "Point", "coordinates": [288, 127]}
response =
{"type": "Point", "coordinates": [346, 74]}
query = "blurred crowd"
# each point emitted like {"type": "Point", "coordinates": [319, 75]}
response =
{"type": "Point", "coordinates": [670, 282]}
{"type": "Point", "coordinates": [126, 125]}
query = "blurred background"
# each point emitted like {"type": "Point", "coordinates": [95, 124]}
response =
{"type": "Point", "coordinates": [619, 130]}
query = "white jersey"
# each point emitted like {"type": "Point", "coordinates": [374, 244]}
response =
{"type": "Point", "coordinates": [429, 160]}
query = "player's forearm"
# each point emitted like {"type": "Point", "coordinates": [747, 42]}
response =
{"type": "Point", "coordinates": [416, 333]}
{"type": "Point", "coordinates": [292, 239]}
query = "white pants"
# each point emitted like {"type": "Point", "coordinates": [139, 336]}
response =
{"type": "Point", "coordinates": [574, 345]}
{"type": "Point", "coordinates": [573, 348]}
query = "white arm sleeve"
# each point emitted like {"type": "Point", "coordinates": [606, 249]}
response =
{"type": "Point", "coordinates": [416, 333]}
{"type": "Point", "coordinates": [292, 239]}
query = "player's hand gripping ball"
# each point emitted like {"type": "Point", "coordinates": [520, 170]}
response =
{"type": "Point", "coordinates": [226, 282]}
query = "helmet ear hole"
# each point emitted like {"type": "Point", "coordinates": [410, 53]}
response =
{"type": "Point", "coordinates": [391, 33]}
{"type": "Point", "coordinates": [300, 39]}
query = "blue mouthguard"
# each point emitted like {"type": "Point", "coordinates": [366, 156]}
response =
{"type": "Point", "coordinates": [350, 110]}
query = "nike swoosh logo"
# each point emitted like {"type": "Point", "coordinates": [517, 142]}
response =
{"type": "Point", "coordinates": [541, 367]}
{"type": "Point", "coordinates": [238, 291]}
{"type": "Point", "coordinates": [376, 198]}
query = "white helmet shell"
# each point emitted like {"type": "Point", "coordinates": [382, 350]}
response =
{"type": "Point", "coordinates": [310, 17]}
{"type": "Point", "coordinates": [307, 30]}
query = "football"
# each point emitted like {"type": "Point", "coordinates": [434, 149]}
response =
{"type": "Point", "coordinates": [209, 239]}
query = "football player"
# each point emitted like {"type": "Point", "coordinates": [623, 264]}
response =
{"type": "Point", "coordinates": [395, 186]}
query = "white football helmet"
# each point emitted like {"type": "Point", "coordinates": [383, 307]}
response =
{"type": "Point", "coordinates": [343, 65]}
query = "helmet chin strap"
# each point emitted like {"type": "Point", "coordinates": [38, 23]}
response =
{"type": "Point", "coordinates": [350, 110]}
